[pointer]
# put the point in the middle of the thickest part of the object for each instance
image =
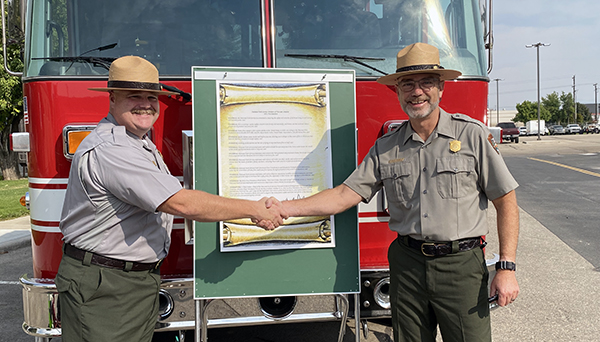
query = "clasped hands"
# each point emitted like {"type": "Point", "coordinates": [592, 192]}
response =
{"type": "Point", "coordinates": [270, 213]}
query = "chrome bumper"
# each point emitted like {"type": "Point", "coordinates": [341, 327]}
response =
{"type": "Point", "coordinates": [177, 308]}
{"type": "Point", "coordinates": [40, 307]}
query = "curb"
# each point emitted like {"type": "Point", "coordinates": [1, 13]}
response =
{"type": "Point", "coordinates": [16, 239]}
{"type": "Point", "coordinates": [15, 233]}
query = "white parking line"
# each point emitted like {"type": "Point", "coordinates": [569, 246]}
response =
{"type": "Point", "coordinates": [4, 282]}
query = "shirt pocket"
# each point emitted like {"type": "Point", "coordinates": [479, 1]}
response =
{"type": "Point", "coordinates": [398, 181]}
{"type": "Point", "coordinates": [456, 177]}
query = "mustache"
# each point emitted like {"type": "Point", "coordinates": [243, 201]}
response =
{"type": "Point", "coordinates": [143, 111]}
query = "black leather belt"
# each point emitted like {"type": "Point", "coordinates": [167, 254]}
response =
{"type": "Point", "coordinates": [436, 249]}
{"type": "Point", "coordinates": [103, 261]}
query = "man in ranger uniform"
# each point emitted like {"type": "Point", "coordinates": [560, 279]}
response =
{"type": "Point", "coordinates": [438, 170]}
{"type": "Point", "coordinates": [118, 215]}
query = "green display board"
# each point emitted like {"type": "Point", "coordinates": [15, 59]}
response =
{"type": "Point", "coordinates": [274, 272]}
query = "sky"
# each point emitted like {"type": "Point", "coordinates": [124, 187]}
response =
{"type": "Point", "coordinates": [572, 28]}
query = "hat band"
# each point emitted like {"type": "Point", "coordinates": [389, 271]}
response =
{"type": "Point", "coordinates": [420, 67]}
{"type": "Point", "coordinates": [134, 85]}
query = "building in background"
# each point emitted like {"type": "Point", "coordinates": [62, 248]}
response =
{"type": "Point", "coordinates": [501, 116]}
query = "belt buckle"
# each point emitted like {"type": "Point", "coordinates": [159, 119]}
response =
{"type": "Point", "coordinates": [427, 244]}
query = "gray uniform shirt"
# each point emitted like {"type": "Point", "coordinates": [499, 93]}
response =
{"type": "Point", "coordinates": [438, 189]}
{"type": "Point", "coordinates": [115, 184]}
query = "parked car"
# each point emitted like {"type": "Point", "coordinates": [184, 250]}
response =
{"type": "Point", "coordinates": [556, 129]}
{"type": "Point", "coordinates": [522, 130]}
{"type": "Point", "coordinates": [590, 128]}
{"type": "Point", "coordinates": [509, 131]}
{"type": "Point", "coordinates": [572, 129]}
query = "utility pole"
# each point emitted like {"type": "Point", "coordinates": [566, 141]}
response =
{"type": "Point", "coordinates": [574, 100]}
{"type": "Point", "coordinates": [537, 46]}
{"type": "Point", "coordinates": [596, 101]}
{"type": "Point", "coordinates": [497, 102]}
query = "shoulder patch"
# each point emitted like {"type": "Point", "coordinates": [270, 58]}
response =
{"type": "Point", "coordinates": [493, 143]}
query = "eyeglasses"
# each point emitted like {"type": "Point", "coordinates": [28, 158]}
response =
{"type": "Point", "coordinates": [426, 84]}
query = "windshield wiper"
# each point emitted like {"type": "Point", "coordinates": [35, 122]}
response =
{"type": "Point", "coordinates": [101, 48]}
{"type": "Point", "coordinates": [355, 59]}
{"type": "Point", "coordinates": [103, 62]}
{"type": "Point", "coordinates": [186, 96]}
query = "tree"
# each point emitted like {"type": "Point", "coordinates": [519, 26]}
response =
{"type": "Point", "coordinates": [11, 108]}
{"type": "Point", "coordinates": [583, 113]}
{"type": "Point", "coordinates": [552, 104]}
{"type": "Point", "coordinates": [567, 110]}
{"type": "Point", "coordinates": [559, 109]}
{"type": "Point", "coordinates": [527, 111]}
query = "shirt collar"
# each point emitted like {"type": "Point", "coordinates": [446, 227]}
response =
{"type": "Point", "coordinates": [110, 118]}
{"type": "Point", "coordinates": [444, 127]}
{"type": "Point", "coordinates": [145, 142]}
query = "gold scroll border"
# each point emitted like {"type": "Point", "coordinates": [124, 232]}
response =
{"type": "Point", "coordinates": [314, 95]}
{"type": "Point", "coordinates": [235, 234]}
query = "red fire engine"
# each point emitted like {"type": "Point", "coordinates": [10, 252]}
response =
{"type": "Point", "coordinates": [69, 45]}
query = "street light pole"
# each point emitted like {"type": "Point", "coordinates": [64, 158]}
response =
{"type": "Point", "coordinates": [574, 100]}
{"type": "Point", "coordinates": [537, 46]}
{"type": "Point", "coordinates": [596, 101]}
{"type": "Point", "coordinates": [497, 102]}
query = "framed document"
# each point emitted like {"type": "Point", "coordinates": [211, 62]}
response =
{"type": "Point", "coordinates": [274, 132]}
{"type": "Point", "coordinates": [274, 141]}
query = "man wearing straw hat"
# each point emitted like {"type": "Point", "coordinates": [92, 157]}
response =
{"type": "Point", "coordinates": [118, 215]}
{"type": "Point", "coordinates": [438, 170]}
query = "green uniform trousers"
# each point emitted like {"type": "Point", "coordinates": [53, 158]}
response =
{"type": "Point", "coordinates": [104, 304]}
{"type": "Point", "coordinates": [448, 290]}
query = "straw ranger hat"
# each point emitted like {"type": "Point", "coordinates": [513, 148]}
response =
{"type": "Point", "coordinates": [133, 73]}
{"type": "Point", "coordinates": [418, 58]}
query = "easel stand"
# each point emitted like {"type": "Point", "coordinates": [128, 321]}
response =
{"type": "Point", "coordinates": [341, 313]}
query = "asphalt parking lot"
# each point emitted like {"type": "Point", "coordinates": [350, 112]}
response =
{"type": "Point", "coordinates": [558, 287]}
{"type": "Point", "coordinates": [552, 144]}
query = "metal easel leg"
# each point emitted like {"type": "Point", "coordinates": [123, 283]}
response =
{"type": "Point", "coordinates": [198, 326]}
{"type": "Point", "coordinates": [201, 329]}
{"type": "Point", "coordinates": [356, 317]}
{"type": "Point", "coordinates": [345, 306]}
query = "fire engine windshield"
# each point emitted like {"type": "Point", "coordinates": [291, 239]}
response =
{"type": "Point", "coordinates": [82, 37]}
{"type": "Point", "coordinates": [327, 32]}
{"type": "Point", "coordinates": [67, 35]}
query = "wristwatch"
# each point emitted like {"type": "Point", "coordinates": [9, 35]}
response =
{"type": "Point", "coordinates": [506, 265]}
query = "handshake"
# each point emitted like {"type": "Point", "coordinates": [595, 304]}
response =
{"type": "Point", "coordinates": [270, 213]}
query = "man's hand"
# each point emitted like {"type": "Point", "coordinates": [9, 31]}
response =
{"type": "Point", "coordinates": [324, 203]}
{"type": "Point", "coordinates": [270, 214]}
{"type": "Point", "coordinates": [505, 285]}
{"type": "Point", "coordinates": [505, 282]}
